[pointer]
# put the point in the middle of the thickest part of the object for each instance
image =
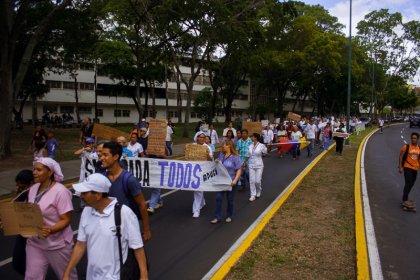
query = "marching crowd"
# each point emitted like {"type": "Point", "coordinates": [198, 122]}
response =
{"type": "Point", "coordinates": [114, 204]}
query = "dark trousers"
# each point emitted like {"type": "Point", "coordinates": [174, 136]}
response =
{"type": "Point", "coordinates": [296, 151]}
{"type": "Point", "coordinates": [339, 143]}
{"type": "Point", "coordinates": [219, 203]}
{"type": "Point", "coordinates": [410, 176]}
{"type": "Point", "coordinates": [169, 148]}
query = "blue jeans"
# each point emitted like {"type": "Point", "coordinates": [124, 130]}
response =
{"type": "Point", "coordinates": [325, 142]}
{"type": "Point", "coordinates": [219, 201]}
{"type": "Point", "coordinates": [168, 148]}
{"type": "Point", "coordinates": [244, 177]}
{"type": "Point", "coordinates": [311, 146]}
{"type": "Point", "coordinates": [155, 198]}
{"type": "Point", "coordinates": [296, 151]}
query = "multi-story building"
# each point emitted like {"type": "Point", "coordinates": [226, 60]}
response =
{"type": "Point", "coordinates": [114, 101]}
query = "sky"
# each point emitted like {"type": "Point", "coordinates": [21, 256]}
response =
{"type": "Point", "coordinates": [409, 9]}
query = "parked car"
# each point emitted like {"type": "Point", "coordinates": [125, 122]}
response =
{"type": "Point", "coordinates": [415, 121]}
{"type": "Point", "coordinates": [367, 121]}
{"type": "Point", "coordinates": [397, 119]}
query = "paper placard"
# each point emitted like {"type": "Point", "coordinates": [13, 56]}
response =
{"type": "Point", "coordinates": [195, 152]}
{"type": "Point", "coordinates": [156, 144]}
{"type": "Point", "coordinates": [252, 127]}
{"type": "Point", "coordinates": [264, 123]}
{"type": "Point", "coordinates": [21, 218]}
{"type": "Point", "coordinates": [107, 132]}
{"type": "Point", "coordinates": [341, 134]}
{"type": "Point", "coordinates": [294, 117]}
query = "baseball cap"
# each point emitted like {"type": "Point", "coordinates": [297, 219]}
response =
{"type": "Point", "coordinates": [94, 182]}
{"type": "Point", "coordinates": [90, 140]}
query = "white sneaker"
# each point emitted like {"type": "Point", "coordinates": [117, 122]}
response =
{"type": "Point", "coordinates": [196, 215]}
{"type": "Point", "coordinates": [252, 198]}
{"type": "Point", "coordinates": [159, 205]}
{"type": "Point", "coordinates": [151, 210]}
{"type": "Point", "coordinates": [258, 194]}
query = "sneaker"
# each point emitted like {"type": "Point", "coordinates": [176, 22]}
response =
{"type": "Point", "coordinates": [228, 220]}
{"type": "Point", "coordinates": [196, 215]}
{"type": "Point", "coordinates": [159, 205]}
{"type": "Point", "coordinates": [151, 210]}
{"type": "Point", "coordinates": [252, 198]}
{"type": "Point", "coordinates": [258, 194]}
{"type": "Point", "coordinates": [214, 221]}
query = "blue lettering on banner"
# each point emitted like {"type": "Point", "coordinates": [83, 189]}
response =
{"type": "Point", "coordinates": [171, 178]}
{"type": "Point", "coordinates": [179, 175]}
{"type": "Point", "coordinates": [162, 164]}
{"type": "Point", "coordinates": [187, 177]}
{"type": "Point", "coordinates": [196, 184]}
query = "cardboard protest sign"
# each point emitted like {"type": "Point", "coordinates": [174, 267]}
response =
{"type": "Point", "coordinates": [157, 137]}
{"type": "Point", "coordinates": [196, 152]}
{"type": "Point", "coordinates": [294, 117]}
{"type": "Point", "coordinates": [107, 132]}
{"type": "Point", "coordinates": [252, 127]}
{"type": "Point", "coordinates": [21, 218]}
{"type": "Point", "coordinates": [340, 134]}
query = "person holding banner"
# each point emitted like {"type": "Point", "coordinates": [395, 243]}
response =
{"type": "Point", "coordinates": [55, 245]}
{"type": "Point", "coordinates": [256, 166]}
{"type": "Point", "coordinates": [125, 187]}
{"type": "Point", "coordinates": [199, 201]}
{"type": "Point", "coordinates": [232, 162]}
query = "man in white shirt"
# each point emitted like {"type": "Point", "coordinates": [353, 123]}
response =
{"type": "Point", "coordinates": [214, 138]}
{"type": "Point", "coordinates": [169, 132]}
{"type": "Point", "coordinates": [229, 128]}
{"type": "Point", "coordinates": [310, 131]}
{"type": "Point", "coordinates": [295, 136]}
{"type": "Point", "coordinates": [97, 233]}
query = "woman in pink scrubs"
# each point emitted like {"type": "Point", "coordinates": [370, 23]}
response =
{"type": "Point", "coordinates": [53, 248]}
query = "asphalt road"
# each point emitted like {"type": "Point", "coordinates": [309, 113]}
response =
{"type": "Point", "coordinates": [186, 248]}
{"type": "Point", "coordinates": [397, 232]}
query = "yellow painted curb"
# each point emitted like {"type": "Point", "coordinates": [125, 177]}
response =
{"type": "Point", "coordinates": [362, 258]}
{"type": "Point", "coordinates": [237, 254]}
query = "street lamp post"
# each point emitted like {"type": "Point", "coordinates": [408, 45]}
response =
{"type": "Point", "coordinates": [349, 78]}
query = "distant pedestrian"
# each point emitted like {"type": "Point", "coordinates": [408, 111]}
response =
{"type": "Point", "coordinates": [213, 135]}
{"type": "Point", "coordinates": [52, 145]}
{"type": "Point", "coordinates": [409, 163]}
{"type": "Point", "coordinates": [310, 132]}
{"type": "Point", "coordinates": [326, 136]}
{"type": "Point", "coordinates": [256, 166]}
{"type": "Point", "coordinates": [169, 132]}
{"type": "Point", "coordinates": [339, 140]}
{"type": "Point", "coordinates": [97, 233]}
{"type": "Point", "coordinates": [86, 130]}
{"type": "Point", "coordinates": [381, 125]}
{"type": "Point", "coordinates": [296, 135]}
{"type": "Point", "coordinates": [229, 128]}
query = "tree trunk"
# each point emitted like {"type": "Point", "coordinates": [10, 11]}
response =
{"type": "Point", "coordinates": [34, 110]}
{"type": "Point", "coordinates": [76, 97]}
{"type": "Point", "coordinates": [186, 132]}
{"type": "Point", "coordinates": [166, 92]}
{"type": "Point", "coordinates": [146, 99]}
{"type": "Point", "coordinates": [179, 98]}
{"type": "Point", "coordinates": [6, 90]}
{"type": "Point", "coordinates": [153, 99]}
{"type": "Point", "coordinates": [302, 105]}
{"type": "Point", "coordinates": [138, 99]}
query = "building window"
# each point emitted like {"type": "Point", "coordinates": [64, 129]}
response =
{"type": "Point", "coordinates": [69, 85]}
{"type": "Point", "coordinates": [87, 86]}
{"type": "Point", "coordinates": [86, 66]}
{"type": "Point", "coordinates": [54, 84]}
{"type": "Point", "coordinates": [194, 115]}
{"type": "Point", "coordinates": [100, 112]}
{"type": "Point", "coordinates": [67, 109]}
{"type": "Point", "coordinates": [49, 108]}
{"type": "Point", "coordinates": [85, 110]}
{"type": "Point", "coordinates": [117, 113]}
{"type": "Point", "coordinates": [126, 113]}
{"type": "Point", "coordinates": [173, 114]}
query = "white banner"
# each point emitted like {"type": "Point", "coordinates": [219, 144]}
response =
{"type": "Point", "coordinates": [206, 176]}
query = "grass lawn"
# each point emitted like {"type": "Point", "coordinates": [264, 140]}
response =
{"type": "Point", "coordinates": [312, 236]}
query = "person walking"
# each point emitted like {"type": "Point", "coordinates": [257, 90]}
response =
{"type": "Point", "coordinates": [242, 146]}
{"type": "Point", "coordinates": [256, 166]}
{"type": "Point", "coordinates": [169, 132]}
{"type": "Point", "coordinates": [54, 247]}
{"type": "Point", "coordinates": [97, 236]}
{"type": "Point", "coordinates": [229, 128]}
{"type": "Point", "coordinates": [295, 136]}
{"type": "Point", "coordinates": [409, 165]}
{"type": "Point", "coordinates": [213, 135]}
{"type": "Point", "coordinates": [326, 136]}
{"type": "Point", "coordinates": [199, 201]}
{"type": "Point", "coordinates": [310, 132]}
{"type": "Point", "coordinates": [231, 160]}
{"type": "Point", "coordinates": [339, 140]}
{"type": "Point", "coordinates": [125, 187]}
{"type": "Point", "coordinates": [381, 124]}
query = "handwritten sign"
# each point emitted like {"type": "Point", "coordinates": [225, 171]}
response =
{"type": "Point", "coordinates": [107, 132]}
{"type": "Point", "coordinates": [340, 134]}
{"type": "Point", "coordinates": [21, 218]}
{"type": "Point", "coordinates": [294, 117]}
{"type": "Point", "coordinates": [195, 152]}
{"type": "Point", "coordinates": [157, 137]}
{"type": "Point", "coordinates": [264, 123]}
{"type": "Point", "coordinates": [252, 127]}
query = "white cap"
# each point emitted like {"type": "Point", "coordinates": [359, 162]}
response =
{"type": "Point", "coordinates": [94, 182]}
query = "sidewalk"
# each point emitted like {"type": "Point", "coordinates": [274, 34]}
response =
{"type": "Point", "coordinates": [70, 168]}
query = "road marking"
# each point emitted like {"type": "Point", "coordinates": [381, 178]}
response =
{"type": "Point", "coordinates": [234, 253]}
{"type": "Point", "coordinates": [374, 260]}
{"type": "Point", "coordinates": [5, 262]}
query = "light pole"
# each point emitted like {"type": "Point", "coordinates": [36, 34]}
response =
{"type": "Point", "coordinates": [349, 79]}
